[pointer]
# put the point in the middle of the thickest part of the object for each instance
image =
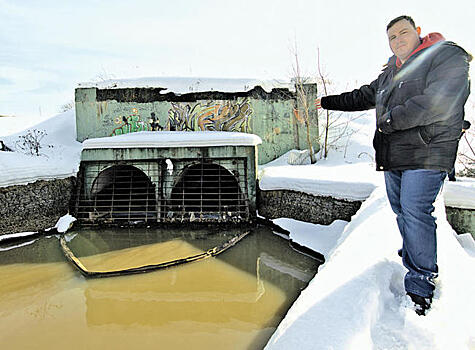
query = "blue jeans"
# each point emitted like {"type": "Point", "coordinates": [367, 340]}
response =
{"type": "Point", "coordinates": [411, 194]}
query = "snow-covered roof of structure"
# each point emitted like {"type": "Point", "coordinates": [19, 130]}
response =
{"type": "Point", "coordinates": [184, 85]}
{"type": "Point", "coordinates": [166, 139]}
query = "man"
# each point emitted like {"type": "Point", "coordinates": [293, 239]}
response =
{"type": "Point", "coordinates": [419, 99]}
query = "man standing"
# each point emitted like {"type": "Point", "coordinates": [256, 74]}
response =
{"type": "Point", "coordinates": [419, 99]}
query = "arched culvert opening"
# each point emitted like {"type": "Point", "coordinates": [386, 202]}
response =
{"type": "Point", "coordinates": [123, 193]}
{"type": "Point", "coordinates": [206, 192]}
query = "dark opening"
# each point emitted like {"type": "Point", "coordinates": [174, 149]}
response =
{"type": "Point", "coordinates": [123, 193]}
{"type": "Point", "coordinates": [207, 191]}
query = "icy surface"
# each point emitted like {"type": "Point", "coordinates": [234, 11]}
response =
{"type": "Point", "coordinates": [320, 238]}
{"type": "Point", "coordinates": [165, 139]}
{"type": "Point", "coordinates": [183, 85]}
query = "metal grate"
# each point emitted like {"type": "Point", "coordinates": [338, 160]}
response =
{"type": "Point", "coordinates": [206, 190]}
{"type": "Point", "coordinates": [162, 190]}
{"type": "Point", "coordinates": [117, 192]}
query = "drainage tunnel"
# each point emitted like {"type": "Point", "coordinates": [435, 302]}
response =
{"type": "Point", "coordinates": [124, 193]}
{"type": "Point", "coordinates": [207, 192]}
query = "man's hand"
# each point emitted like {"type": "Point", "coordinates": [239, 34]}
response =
{"type": "Point", "coordinates": [318, 103]}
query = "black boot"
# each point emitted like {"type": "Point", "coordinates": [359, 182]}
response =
{"type": "Point", "coordinates": [422, 303]}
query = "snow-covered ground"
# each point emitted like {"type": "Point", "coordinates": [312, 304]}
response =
{"type": "Point", "coordinates": [357, 299]}
{"type": "Point", "coordinates": [59, 156]}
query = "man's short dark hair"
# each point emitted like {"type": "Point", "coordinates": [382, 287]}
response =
{"type": "Point", "coordinates": [400, 18]}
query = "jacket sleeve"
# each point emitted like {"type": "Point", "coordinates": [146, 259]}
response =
{"type": "Point", "coordinates": [444, 95]}
{"type": "Point", "coordinates": [360, 99]}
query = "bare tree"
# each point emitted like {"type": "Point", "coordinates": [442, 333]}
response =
{"type": "Point", "coordinates": [336, 127]}
{"type": "Point", "coordinates": [302, 110]}
{"type": "Point", "coordinates": [327, 124]}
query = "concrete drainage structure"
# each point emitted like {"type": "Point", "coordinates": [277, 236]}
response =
{"type": "Point", "coordinates": [167, 177]}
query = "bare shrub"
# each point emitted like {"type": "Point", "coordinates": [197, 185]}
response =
{"type": "Point", "coordinates": [66, 107]}
{"type": "Point", "coordinates": [30, 143]}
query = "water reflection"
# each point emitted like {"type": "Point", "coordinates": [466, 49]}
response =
{"type": "Point", "coordinates": [233, 301]}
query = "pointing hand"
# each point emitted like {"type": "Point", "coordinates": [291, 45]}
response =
{"type": "Point", "coordinates": [318, 103]}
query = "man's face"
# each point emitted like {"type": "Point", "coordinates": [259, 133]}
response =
{"type": "Point", "coordinates": [403, 39]}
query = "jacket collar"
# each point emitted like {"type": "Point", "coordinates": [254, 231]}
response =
{"type": "Point", "coordinates": [427, 41]}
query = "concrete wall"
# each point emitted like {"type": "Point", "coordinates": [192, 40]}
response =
{"type": "Point", "coordinates": [305, 207]}
{"type": "Point", "coordinates": [36, 206]}
{"type": "Point", "coordinates": [462, 220]}
{"type": "Point", "coordinates": [324, 210]}
{"type": "Point", "coordinates": [109, 112]}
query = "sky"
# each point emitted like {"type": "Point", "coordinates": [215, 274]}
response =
{"type": "Point", "coordinates": [48, 47]}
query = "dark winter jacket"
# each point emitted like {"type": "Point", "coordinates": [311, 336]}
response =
{"type": "Point", "coordinates": [419, 106]}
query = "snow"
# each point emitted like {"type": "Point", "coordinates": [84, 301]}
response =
{"type": "Point", "coordinates": [183, 85]}
{"type": "Point", "coordinates": [165, 139]}
{"type": "Point", "coordinates": [59, 157]}
{"type": "Point", "coordinates": [304, 234]}
{"type": "Point", "coordinates": [348, 173]}
{"type": "Point", "coordinates": [64, 223]}
{"type": "Point", "coordinates": [467, 242]}
{"type": "Point", "coordinates": [460, 194]}
{"type": "Point", "coordinates": [344, 181]}
{"type": "Point", "coordinates": [16, 235]}
{"type": "Point", "coordinates": [348, 180]}
{"type": "Point", "coordinates": [357, 299]}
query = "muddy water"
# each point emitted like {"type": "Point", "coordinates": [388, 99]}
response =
{"type": "Point", "coordinates": [233, 301]}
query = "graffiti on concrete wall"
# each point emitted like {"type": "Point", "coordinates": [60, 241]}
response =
{"type": "Point", "coordinates": [207, 116]}
{"type": "Point", "coordinates": [211, 116]}
{"type": "Point", "coordinates": [134, 123]}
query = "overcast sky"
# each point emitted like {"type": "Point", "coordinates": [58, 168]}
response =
{"type": "Point", "coordinates": [47, 47]}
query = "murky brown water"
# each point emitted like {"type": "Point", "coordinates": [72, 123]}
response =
{"type": "Point", "coordinates": [234, 301]}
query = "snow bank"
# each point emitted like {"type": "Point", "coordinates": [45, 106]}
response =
{"type": "Point", "coordinates": [60, 155]}
{"type": "Point", "coordinates": [183, 85]}
{"type": "Point", "coordinates": [357, 300]}
{"type": "Point", "coordinates": [460, 193]}
{"type": "Point", "coordinates": [347, 178]}
{"type": "Point", "coordinates": [343, 181]}
{"type": "Point", "coordinates": [337, 177]}
{"type": "Point", "coordinates": [146, 139]}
